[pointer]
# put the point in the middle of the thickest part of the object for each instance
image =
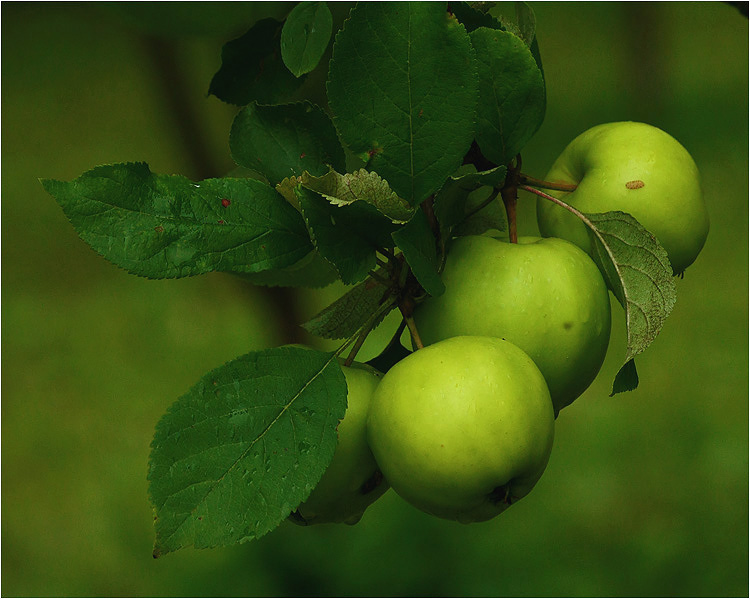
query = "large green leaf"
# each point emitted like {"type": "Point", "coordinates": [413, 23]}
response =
{"type": "Point", "coordinates": [402, 87]}
{"type": "Point", "coordinates": [305, 36]}
{"type": "Point", "coordinates": [252, 68]}
{"type": "Point", "coordinates": [346, 236]}
{"type": "Point", "coordinates": [637, 270]}
{"type": "Point", "coordinates": [166, 226]}
{"type": "Point", "coordinates": [286, 140]}
{"type": "Point", "coordinates": [312, 271]}
{"type": "Point", "coordinates": [524, 25]}
{"type": "Point", "coordinates": [512, 98]}
{"type": "Point", "coordinates": [417, 241]}
{"type": "Point", "coordinates": [233, 457]}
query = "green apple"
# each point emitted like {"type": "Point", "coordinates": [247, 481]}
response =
{"type": "Point", "coordinates": [634, 168]}
{"type": "Point", "coordinates": [353, 480]}
{"type": "Point", "coordinates": [544, 295]}
{"type": "Point", "coordinates": [463, 428]}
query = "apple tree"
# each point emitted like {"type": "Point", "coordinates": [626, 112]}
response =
{"type": "Point", "coordinates": [401, 181]}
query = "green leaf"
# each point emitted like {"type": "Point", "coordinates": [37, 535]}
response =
{"type": "Point", "coordinates": [637, 270]}
{"type": "Point", "coordinates": [402, 87]}
{"type": "Point", "coordinates": [244, 447]}
{"type": "Point", "coordinates": [626, 379]}
{"type": "Point", "coordinates": [482, 214]}
{"type": "Point", "coordinates": [364, 186]}
{"type": "Point", "coordinates": [417, 242]}
{"type": "Point", "coordinates": [283, 141]}
{"type": "Point", "coordinates": [166, 226]}
{"type": "Point", "coordinates": [494, 177]}
{"type": "Point", "coordinates": [525, 26]}
{"type": "Point", "coordinates": [461, 194]}
{"type": "Point", "coordinates": [252, 68]}
{"type": "Point", "coordinates": [346, 236]}
{"type": "Point", "coordinates": [305, 36]}
{"type": "Point", "coordinates": [344, 317]}
{"type": "Point", "coordinates": [512, 99]}
{"type": "Point", "coordinates": [287, 188]}
{"type": "Point", "coordinates": [526, 21]}
{"type": "Point", "coordinates": [312, 271]}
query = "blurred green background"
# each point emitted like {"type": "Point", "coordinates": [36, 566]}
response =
{"type": "Point", "coordinates": [646, 493]}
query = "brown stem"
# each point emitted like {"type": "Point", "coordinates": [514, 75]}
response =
{"type": "Point", "coordinates": [380, 279]}
{"type": "Point", "coordinates": [355, 348]}
{"type": "Point", "coordinates": [406, 305]}
{"type": "Point", "coordinates": [414, 332]}
{"type": "Point", "coordinates": [560, 203]}
{"type": "Point", "coordinates": [554, 185]}
{"type": "Point", "coordinates": [510, 198]}
{"type": "Point", "coordinates": [392, 259]}
{"type": "Point", "coordinates": [509, 193]}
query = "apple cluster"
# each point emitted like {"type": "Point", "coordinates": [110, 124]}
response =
{"type": "Point", "coordinates": [463, 427]}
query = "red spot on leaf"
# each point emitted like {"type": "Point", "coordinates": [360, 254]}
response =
{"type": "Point", "coordinates": [221, 222]}
{"type": "Point", "coordinates": [421, 112]}
{"type": "Point", "coordinates": [225, 202]}
{"type": "Point", "coordinates": [302, 155]}
{"type": "Point", "coordinates": [159, 229]}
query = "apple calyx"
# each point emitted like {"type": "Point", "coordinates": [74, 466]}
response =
{"type": "Point", "coordinates": [502, 494]}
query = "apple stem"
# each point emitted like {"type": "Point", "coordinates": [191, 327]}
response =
{"type": "Point", "coordinates": [554, 185]}
{"type": "Point", "coordinates": [553, 199]}
{"type": "Point", "coordinates": [409, 320]}
{"type": "Point", "coordinates": [406, 305]}
{"type": "Point", "coordinates": [380, 279]}
{"type": "Point", "coordinates": [390, 256]}
{"type": "Point", "coordinates": [509, 193]}
{"type": "Point", "coordinates": [586, 221]}
{"type": "Point", "coordinates": [510, 197]}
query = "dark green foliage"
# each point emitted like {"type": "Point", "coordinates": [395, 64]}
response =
{"type": "Point", "coordinates": [166, 226]}
{"type": "Point", "coordinates": [233, 457]}
{"type": "Point", "coordinates": [252, 69]}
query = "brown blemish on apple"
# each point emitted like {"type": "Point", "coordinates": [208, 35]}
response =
{"type": "Point", "coordinates": [637, 184]}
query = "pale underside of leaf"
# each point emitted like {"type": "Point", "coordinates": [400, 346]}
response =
{"type": "Point", "coordinates": [362, 185]}
{"type": "Point", "coordinates": [639, 273]}
{"type": "Point", "coordinates": [345, 316]}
